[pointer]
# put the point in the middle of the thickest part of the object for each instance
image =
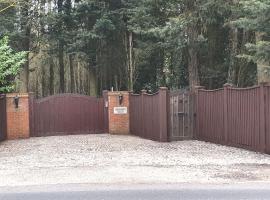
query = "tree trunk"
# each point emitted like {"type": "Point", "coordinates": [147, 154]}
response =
{"type": "Point", "coordinates": [263, 67]}
{"type": "Point", "coordinates": [25, 45]}
{"type": "Point", "coordinates": [61, 53]}
{"type": "Point", "coordinates": [61, 67]}
{"type": "Point", "coordinates": [233, 53]}
{"type": "Point", "coordinates": [93, 82]}
{"type": "Point", "coordinates": [51, 77]}
{"type": "Point", "coordinates": [193, 33]}
{"type": "Point", "coordinates": [72, 82]}
{"type": "Point", "coordinates": [131, 63]}
{"type": "Point", "coordinates": [193, 62]}
{"type": "Point", "coordinates": [43, 82]}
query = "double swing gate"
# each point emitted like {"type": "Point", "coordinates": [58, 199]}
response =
{"type": "Point", "coordinates": [67, 114]}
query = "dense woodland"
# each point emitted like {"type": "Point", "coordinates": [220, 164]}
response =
{"type": "Point", "coordinates": [86, 46]}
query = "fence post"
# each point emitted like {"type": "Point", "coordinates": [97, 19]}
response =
{"type": "Point", "coordinates": [31, 114]}
{"type": "Point", "coordinates": [195, 112]}
{"type": "Point", "coordinates": [163, 114]}
{"type": "Point", "coordinates": [3, 117]}
{"type": "Point", "coordinates": [226, 133]}
{"type": "Point", "coordinates": [262, 142]}
{"type": "Point", "coordinates": [105, 111]}
{"type": "Point", "coordinates": [143, 92]}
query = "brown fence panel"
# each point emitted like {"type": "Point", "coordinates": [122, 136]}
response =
{"type": "Point", "coordinates": [210, 116]}
{"type": "Point", "coordinates": [234, 117]}
{"type": "Point", "coordinates": [67, 114]}
{"type": "Point", "coordinates": [149, 115]}
{"type": "Point", "coordinates": [244, 117]}
{"type": "Point", "coordinates": [3, 118]}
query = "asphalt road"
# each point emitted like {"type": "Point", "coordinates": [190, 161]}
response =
{"type": "Point", "coordinates": [141, 192]}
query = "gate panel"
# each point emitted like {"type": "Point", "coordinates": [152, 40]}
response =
{"type": "Point", "coordinates": [149, 115]}
{"type": "Point", "coordinates": [67, 114]}
{"type": "Point", "coordinates": [180, 115]}
{"type": "Point", "coordinates": [3, 118]}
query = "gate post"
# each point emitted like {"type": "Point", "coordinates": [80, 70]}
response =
{"type": "Point", "coordinates": [164, 114]}
{"type": "Point", "coordinates": [3, 118]}
{"type": "Point", "coordinates": [262, 141]}
{"type": "Point", "coordinates": [106, 113]}
{"type": "Point", "coordinates": [195, 111]}
{"type": "Point", "coordinates": [143, 93]}
{"type": "Point", "coordinates": [226, 126]}
{"type": "Point", "coordinates": [31, 114]}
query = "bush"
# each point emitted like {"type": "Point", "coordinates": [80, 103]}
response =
{"type": "Point", "coordinates": [10, 63]}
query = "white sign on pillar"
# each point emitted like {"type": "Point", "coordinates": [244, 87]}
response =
{"type": "Point", "coordinates": [120, 110]}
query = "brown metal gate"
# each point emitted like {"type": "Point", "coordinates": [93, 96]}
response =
{"type": "Point", "coordinates": [180, 115]}
{"type": "Point", "coordinates": [3, 118]}
{"type": "Point", "coordinates": [67, 114]}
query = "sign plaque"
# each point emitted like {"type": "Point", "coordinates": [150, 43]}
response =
{"type": "Point", "coordinates": [120, 110]}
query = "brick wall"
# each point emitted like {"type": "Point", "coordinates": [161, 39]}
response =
{"type": "Point", "coordinates": [17, 118]}
{"type": "Point", "coordinates": [118, 123]}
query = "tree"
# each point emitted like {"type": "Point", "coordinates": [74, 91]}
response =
{"type": "Point", "coordinates": [10, 63]}
{"type": "Point", "coordinates": [86, 46]}
{"type": "Point", "coordinates": [255, 17]}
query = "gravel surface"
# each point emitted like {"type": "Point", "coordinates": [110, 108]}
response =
{"type": "Point", "coordinates": [106, 159]}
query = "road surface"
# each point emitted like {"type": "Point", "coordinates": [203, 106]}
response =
{"type": "Point", "coordinates": [138, 192]}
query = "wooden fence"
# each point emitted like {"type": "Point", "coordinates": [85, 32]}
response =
{"type": "Point", "coordinates": [149, 115]}
{"type": "Point", "coordinates": [235, 117]}
{"type": "Point", "coordinates": [3, 118]}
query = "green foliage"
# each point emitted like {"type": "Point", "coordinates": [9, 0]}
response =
{"type": "Point", "coordinates": [10, 63]}
{"type": "Point", "coordinates": [255, 16]}
{"type": "Point", "coordinates": [163, 32]}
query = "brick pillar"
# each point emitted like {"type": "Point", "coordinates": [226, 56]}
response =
{"type": "Point", "coordinates": [17, 118]}
{"type": "Point", "coordinates": [119, 113]}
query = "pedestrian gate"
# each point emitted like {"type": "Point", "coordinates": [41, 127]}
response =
{"type": "Point", "coordinates": [181, 118]}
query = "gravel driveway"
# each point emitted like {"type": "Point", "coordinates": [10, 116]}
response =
{"type": "Point", "coordinates": [107, 159]}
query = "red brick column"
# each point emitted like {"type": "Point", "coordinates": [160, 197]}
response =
{"type": "Point", "coordinates": [119, 113]}
{"type": "Point", "coordinates": [17, 118]}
